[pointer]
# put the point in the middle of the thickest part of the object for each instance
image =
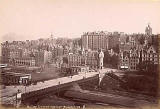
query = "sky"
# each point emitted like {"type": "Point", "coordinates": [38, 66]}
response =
{"type": "Point", "coordinates": [34, 19]}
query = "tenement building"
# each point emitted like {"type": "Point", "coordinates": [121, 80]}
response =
{"type": "Point", "coordinates": [95, 40]}
{"type": "Point", "coordinates": [90, 58]}
{"type": "Point", "coordinates": [124, 60]}
{"type": "Point", "coordinates": [26, 61]}
{"type": "Point", "coordinates": [75, 60]}
{"type": "Point", "coordinates": [132, 59]}
{"type": "Point", "coordinates": [150, 54]}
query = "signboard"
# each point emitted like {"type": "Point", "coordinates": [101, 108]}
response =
{"type": "Point", "coordinates": [124, 67]}
{"type": "Point", "coordinates": [25, 77]}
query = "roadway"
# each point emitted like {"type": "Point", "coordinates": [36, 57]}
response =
{"type": "Point", "coordinates": [9, 92]}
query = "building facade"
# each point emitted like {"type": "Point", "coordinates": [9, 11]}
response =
{"type": "Point", "coordinates": [75, 60]}
{"type": "Point", "coordinates": [12, 78]}
{"type": "Point", "coordinates": [132, 59]}
{"type": "Point", "coordinates": [150, 54]}
{"type": "Point", "coordinates": [124, 60]}
{"type": "Point", "coordinates": [95, 40]}
{"type": "Point", "coordinates": [92, 59]}
{"type": "Point", "coordinates": [47, 57]}
{"type": "Point", "coordinates": [15, 53]}
{"type": "Point", "coordinates": [27, 61]}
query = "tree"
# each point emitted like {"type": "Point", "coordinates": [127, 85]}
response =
{"type": "Point", "coordinates": [141, 40]}
{"type": "Point", "coordinates": [107, 57]}
{"type": "Point", "coordinates": [116, 48]}
{"type": "Point", "coordinates": [148, 68]}
{"type": "Point", "coordinates": [114, 61]}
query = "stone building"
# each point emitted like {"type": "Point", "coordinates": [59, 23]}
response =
{"type": "Point", "coordinates": [95, 40]}
{"type": "Point", "coordinates": [124, 60]}
{"type": "Point", "coordinates": [26, 61]}
{"type": "Point", "coordinates": [150, 54]}
{"type": "Point", "coordinates": [92, 59]}
{"type": "Point", "coordinates": [132, 59]}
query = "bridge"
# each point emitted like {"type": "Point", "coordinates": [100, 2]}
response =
{"type": "Point", "coordinates": [41, 89]}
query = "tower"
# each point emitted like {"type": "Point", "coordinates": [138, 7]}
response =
{"type": "Point", "coordinates": [148, 30]}
{"type": "Point", "coordinates": [101, 56]}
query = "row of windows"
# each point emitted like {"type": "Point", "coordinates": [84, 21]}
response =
{"type": "Point", "coordinates": [149, 55]}
{"type": "Point", "coordinates": [92, 62]}
{"type": "Point", "coordinates": [133, 68]}
{"type": "Point", "coordinates": [133, 57]}
{"type": "Point", "coordinates": [133, 64]}
{"type": "Point", "coordinates": [88, 58]}
{"type": "Point", "coordinates": [125, 60]}
{"type": "Point", "coordinates": [79, 63]}
{"type": "Point", "coordinates": [150, 59]}
{"type": "Point", "coordinates": [74, 58]}
{"type": "Point", "coordinates": [134, 60]}
{"type": "Point", "coordinates": [24, 63]}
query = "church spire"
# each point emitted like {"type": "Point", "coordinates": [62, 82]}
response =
{"type": "Point", "coordinates": [148, 30]}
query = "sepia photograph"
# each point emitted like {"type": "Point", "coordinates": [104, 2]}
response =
{"type": "Point", "coordinates": [79, 54]}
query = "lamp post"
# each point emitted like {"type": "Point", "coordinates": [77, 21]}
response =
{"type": "Point", "coordinates": [85, 63]}
{"type": "Point", "coordinates": [58, 87]}
{"type": "Point", "coordinates": [25, 88]}
{"type": "Point", "coordinates": [18, 97]}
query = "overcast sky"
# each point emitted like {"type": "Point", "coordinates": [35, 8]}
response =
{"type": "Point", "coordinates": [32, 19]}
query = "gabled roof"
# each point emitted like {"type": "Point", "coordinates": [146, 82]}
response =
{"type": "Point", "coordinates": [126, 54]}
{"type": "Point", "coordinates": [153, 48]}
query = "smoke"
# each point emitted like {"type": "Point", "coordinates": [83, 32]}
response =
{"type": "Point", "coordinates": [12, 37]}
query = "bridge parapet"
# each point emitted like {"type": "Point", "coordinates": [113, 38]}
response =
{"type": "Point", "coordinates": [35, 95]}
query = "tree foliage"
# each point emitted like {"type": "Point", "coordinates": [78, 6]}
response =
{"type": "Point", "coordinates": [116, 48]}
{"type": "Point", "coordinates": [110, 60]}
{"type": "Point", "coordinates": [141, 40]}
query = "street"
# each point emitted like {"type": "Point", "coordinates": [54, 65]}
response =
{"type": "Point", "coordinates": [10, 91]}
